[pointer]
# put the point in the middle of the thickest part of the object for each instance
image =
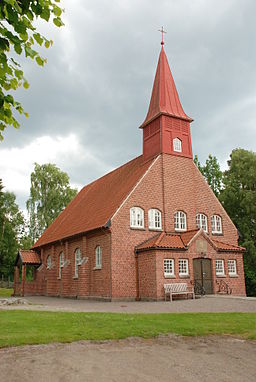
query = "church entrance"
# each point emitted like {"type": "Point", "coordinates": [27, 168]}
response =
{"type": "Point", "coordinates": [203, 274]}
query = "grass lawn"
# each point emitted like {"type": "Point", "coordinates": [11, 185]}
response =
{"type": "Point", "coordinates": [19, 327]}
{"type": "Point", "coordinates": [6, 292]}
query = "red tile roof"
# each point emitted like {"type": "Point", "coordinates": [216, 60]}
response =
{"type": "Point", "coordinates": [96, 203]}
{"type": "Point", "coordinates": [164, 97]}
{"type": "Point", "coordinates": [227, 247]}
{"type": "Point", "coordinates": [188, 235]}
{"type": "Point", "coordinates": [29, 257]}
{"type": "Point", "coordinates": [181, 240]}
{"type": "Point", "coordinates": [163, 240]}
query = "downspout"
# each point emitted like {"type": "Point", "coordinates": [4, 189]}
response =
{"type": "Point", "coordinates": [137, 277]}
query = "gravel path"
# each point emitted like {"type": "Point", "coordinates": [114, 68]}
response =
{"type": "Point", "coordinates": [166, 358]}
{"type": "Point", "coordinates": [204, 304]}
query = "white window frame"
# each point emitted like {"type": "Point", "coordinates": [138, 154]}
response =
{"type": "Point", "coordinates": [216, 223]}
{"type": "Point", "coordinates": [136, 217]}
{"type": "Point", "coordinates": [201, 222]}
{"type": "Point", "coordinates": [98, 257]}
{"type": "Point", "coordinates": [232, 268]}
{"type": "Point", "coordinates": [169, 268]}
{"type": "Point", "coordinates": [61, 262]}
{"type": "Point", "coordinates": [220, 270]}
{"type": "Point", "coordinates": [183, 267]}
{"type": "Point", "coordinates": [177, 145]}
{"type": "Point", "coordinates": [154, 219]}
{"type": "Point", "coordinates": [78, 259]}
{"type": "Point", "coordinates": [180, 221]}
{"type": "Point", "coordinates": [49, 262]}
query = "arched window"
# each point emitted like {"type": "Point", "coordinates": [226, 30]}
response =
{"type": "Point", "coordinates": [136, 217]}
{"type": "Point", "coordinates": [98, 253]}
{"type": "Point", "coordinates": [201, 222]}
{"type": "Point", "coordinates": [61, 263]}
{"type": "Point", "coordinates": [180, 221]}
{"type": "Point", "coordinates": [154, 219]}
{"type": "Point", "coordinates": [49, 262]}
{"type": "Point", "coordinates": [216, 224]}
{"type": "Point", "coordinates": [77, 260]}
{"type": "Point", "coordinates": [177, 145]}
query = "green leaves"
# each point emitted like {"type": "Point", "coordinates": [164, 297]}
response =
{"type": "Point", "coordinates": [211, 172]}
{"type": "Point", "coordinates": [18, 35]}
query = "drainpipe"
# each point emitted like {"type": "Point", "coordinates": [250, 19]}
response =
{"type": "Point", "coordinates": [137, 278]}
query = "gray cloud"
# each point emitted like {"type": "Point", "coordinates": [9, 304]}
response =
{"type": "Point", "coordinates": [98, 79]}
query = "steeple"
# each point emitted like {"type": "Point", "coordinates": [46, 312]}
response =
{"type": "Point", "coordinates": [166, 127]}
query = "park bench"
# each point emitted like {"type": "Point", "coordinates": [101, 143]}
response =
{"type": "Point", "coordinates": [177, 288]}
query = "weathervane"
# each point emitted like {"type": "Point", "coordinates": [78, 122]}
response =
{"type": "Point", "coordinates": [162, 31]}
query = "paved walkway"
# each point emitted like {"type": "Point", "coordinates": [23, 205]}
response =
{"type": "Point", "coordinates": [204, 304]}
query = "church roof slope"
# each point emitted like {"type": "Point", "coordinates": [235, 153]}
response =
{"type": "Point", "coordinates": [28, 257]}
{"type": "Point", "coordinates": [164, 97]}
{"type": "Point", "coordinates": [95, 203]}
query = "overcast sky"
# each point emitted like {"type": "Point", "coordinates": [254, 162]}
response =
{"type": "Point", "coordinates": [86, 104]}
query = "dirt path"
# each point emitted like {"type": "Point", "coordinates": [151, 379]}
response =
{"type": "Point", "coordinates": [166, 358]}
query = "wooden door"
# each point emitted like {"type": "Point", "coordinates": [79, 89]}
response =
{"type": "Point", "coordinates": [203, 273]}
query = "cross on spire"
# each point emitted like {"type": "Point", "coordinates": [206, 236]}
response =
{"type": "Point", "coordinates": [162, 31]}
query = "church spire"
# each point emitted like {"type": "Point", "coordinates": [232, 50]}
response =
{"type": "Point", "coordinates": [166, 128]}
{"type": "Point", "coordinates": [164, 97]}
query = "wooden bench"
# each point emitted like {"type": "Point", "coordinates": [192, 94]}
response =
{"type": "Point", "coordinates": [177, 288]}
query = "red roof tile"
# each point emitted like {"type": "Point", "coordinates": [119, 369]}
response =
{"type": "Point", "coordinates": [227, 247]}
{"type": "Point", "coordinates": [188, 235]}
{"type": "Point", "coordinates": [29, 257]}
{"type": "Point", "coordinates": [163, 240]}
{"type": "Point", "coordinates": [96, 203]}
{"type": "Point", "coordinates": [164, 97]}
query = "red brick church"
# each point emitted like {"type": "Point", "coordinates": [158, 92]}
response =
{"type": "Point", "coordinates": [152, 221]}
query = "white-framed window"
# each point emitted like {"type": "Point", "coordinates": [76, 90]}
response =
{"type": "Point", "coordinates": [180, 221]}
{"type": "Point", "coordinates": [136, 217]}
{"type": "Point", "coordinates": [77, 260]}
{"type": "Point", "coordinates": [49, 262]}
{"type": "Point", "coordinates": [168, 267]}
{"type": "Point", "coordinates": [183, 267]}
{"type": "Point", "coordinates": [98, 255]}
{"type": "Point", "coordinates": [220, 268]}
{"type": "Point", "coordinates": [216, 224]}
{"type": "Point", "coordinates": [154, 219]}
{"type": "Point", "coordinates": [201, 222]}
{"type": "Point", "coordinates": [61, 262]}
{"type": "Point", "coordinates": [177, 145]}
{"type": "Point", "coordinates": [232, 267]}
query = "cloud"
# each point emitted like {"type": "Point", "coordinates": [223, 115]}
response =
{"type": "Point", "coordinates": [17, 163]}
{"type": "Point", "coordinates": [97, 83]}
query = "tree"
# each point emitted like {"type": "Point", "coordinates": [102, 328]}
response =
{"type": "Point", "coordinates": [50, 193]}
{"type": "Point", "coordinates": [11, 229]}
{"type": "Point", "coordinates": [239, 200]}
{"type": "Point", "coordinates": [211, 172]}
{"type": "Point", "coordinates": [18, 35]}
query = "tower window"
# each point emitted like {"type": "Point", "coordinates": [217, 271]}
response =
{"type": "Point", "coordinates": [201, 222]}
{"type": "Point", "coordinates": [136, 217]}
{"type": "Point", "coordinates": [177, 145]}
{"type": "Point", "coordinates": [180, 221]}
{"type": "Point", "coordinates": [154, 219]}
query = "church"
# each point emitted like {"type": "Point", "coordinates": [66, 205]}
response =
{"type": "Point", "coordinates": [150, 222]}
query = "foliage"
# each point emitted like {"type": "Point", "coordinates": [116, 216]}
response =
{"type": "Point", "coordinates": [31, 327]}
{"type": "Point", "coordinates": [211, 172]}
{"type": "Point", "coordinates": [239, 199]}
{"type": "Point", "coordinates": [6, 292]}
{"type": "Point", "coordinates": [11, 229]}
{"type": "Point", "coordinates": [18, 35]}
{"type": "Point", "coordinates": [50, 193]}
